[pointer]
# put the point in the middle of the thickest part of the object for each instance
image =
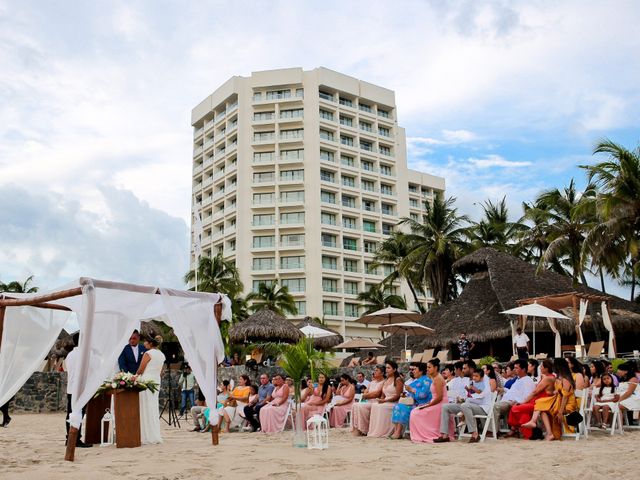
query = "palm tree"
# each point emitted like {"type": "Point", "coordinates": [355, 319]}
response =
{"type": "Point", "coordinates": [494, 229]}
{"type": "Point", "coordinates": [17, 287]}
{"type": "Point", "coordinates": [618, 207]}
{"type": "Point", "coordinates": [274, 297]}
{"type": "Point", "coordinates": [392, 251]}
{"type": "Point", "coordinates": [435, 245]}
{"type": "Point", "coordinates": [216, 275]}
{"type": "Point", "coordinates": [376, 299]}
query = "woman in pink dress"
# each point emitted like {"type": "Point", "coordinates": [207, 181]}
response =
{"type": "Point", "coordinates": [360, 412]}
{"type": "Point", "coordinates": [343, 401]}
{"type": "Point", "coordinates": [424, 423]}
{"type": "Point", "coordinates": [273, 416]}
{"type": "Point", "coordinates": [380, 424]}
{"type": "Point", "coordinates": [315, 399]}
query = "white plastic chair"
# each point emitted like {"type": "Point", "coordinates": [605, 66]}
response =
{"type": "Point", "coordinates": [356, 399]}
{"type": "Point", "coordinates": [289, 416]}
{"type": "Point", "coordinates": [584, 399]}
{"type": "Point", "coordinates": [487, 418]}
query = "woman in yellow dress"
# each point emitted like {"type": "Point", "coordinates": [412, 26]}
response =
{"type": "Point", "coordinates": [553, 409]}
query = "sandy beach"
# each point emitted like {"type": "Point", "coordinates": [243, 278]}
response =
{"type": "Point", "coordinates": [33, 448]}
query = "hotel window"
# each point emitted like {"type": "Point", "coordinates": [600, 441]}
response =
{"type": "Point", "coordinates": [262, 116]}
{"type": "Point", "coordinates": [370, 247]}
{"type": "Point", "coordinates": [330, 263]}
{"type": "Point", "coordinates": [348, 201]}
{"type": "Point", "coordinates": [366, 126]}
{"type": "Point", "coordinates": [327, 115]}
{"type": "Point", "coordinates": [264, 263]}
{"type": "Point", "coordinates": [346, 121]}
{"type": "Point", "coordinates": [368, 205]}
{"type": "Point", "coordinates": [293, 240]}
{"type": "Point", "coordinates": [292, 197]}
{"type": "Point", "coordinates": [266, 241]}
{"type": "Point", "coordinates": [326, 96]}
{"type": "Point", "coordinates": [260, 157]}
{"type": "Point", "coordinates": [368, 185]}
{"type": "Point", "coordinates": [369, 226]}
{"type": "Point", "coordinates": [386, 209]}
{"type": "Point", "coordinates": [364, 145]}
{"type": "Point", "coordinates": [326, 135]}
{"type": "Point", "coordinates": [263, 198]}
{"type": "Point", "coordinates": [349, 222]}
{"type": "Point", "coordinates": [348, 181]}
{"type": "Point", "coordinates": [328, 240]}
{"type": "Point", "coordinates": [263, 136]}
{"type": "Point", "coordinates": [291, 175]}
{"type": "Point", "coordinates": [300, 92]}
{"type": "Point", "coordinates": [294, 284]}
{"type": "Point", "coordinates": [347, 161]}
{"type": "Point", "coordinates": [264, 177]}
{"type": "Point", "coordinates": [350, 288]}
{"type": "Point", "coordinates": [278, 94]}
{"type": "Point", "coordinates": [257, 283]}
{"type": "Point", "coordinates": [327, 176]}
{"type": "Point", "coordinates": [370, 269]}
{"type": "Point", "coordinates": [329, 285]}
{"type": "Point", "coordinates": [294, 113]}
{"type": "Point", "coordinates": [386, 189]}
{"type": "Point", "coordinates": [350, 265]}
{"type": "Point", "coordinates": [327, 197]}
{"type": "Point", "coordinates": [364, 107]}
{"type": "Point", "coordinates": [291, 134]}
{"type": "Point", "coordinates": [349, 244]}
{"type": "Point", "coordinates": [330, 308]}
{"type": "Point", "coordinates": [327, 156]}
{"type": "Point", "coordinates": [346, 102]}
{"type": "Point", "coordinates": [264, 220]}
{"type": "Point", "coordinates": [257, 96]}
{"type": "Point", "coordinates": [387, 270]}
{"type": "Point", "coordinates": [413, 189]}
{"type": "Point", "coordinates": [328, 218]}
{"type": "Point", "coordinates": [345, 140]}
{"type": "Point", "coordinates": [288, 263]}
{"type": "Point", "coordinates": [415, 217]}
{"type": "Point", "coordinates": [301, 307]}
{"type": "Point", "coordinates": [384, 150]}
{"type": "Point", "coordinates": [351, 310]}
{"type": "Point", "coordinates": [368, 166]}
{"type": "Point", "coordinates": [383, 113]}
{"type": "Point", "coordinates": [292, 155]}
{"type": "Point", "coordinates": [291, 218]}
{"type": "Point", "coordinates": [387, 229]}
{"type": "Point", "coordinates": [414, 203]}
{"type": "Point", "coordinates": [385, 132]}
{"type": "Point", "coordinates": [385, 170]}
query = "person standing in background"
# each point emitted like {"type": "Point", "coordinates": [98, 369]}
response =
{"type": "Point", "coordinates": [187, 384]}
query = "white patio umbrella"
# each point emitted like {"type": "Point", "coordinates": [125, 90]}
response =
{"type": "Point", "coordinates": [535, 310]}
{"type": "Point", "coordinates": [389, 315]}
{"type": "Point", "coordinates": [310, 331]}
{"type": "Point", "coordinates": [359, 344]}
{"type": "Point", "coordinates": [409, 328]}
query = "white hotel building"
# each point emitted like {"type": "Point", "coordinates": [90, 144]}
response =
{"type": "Point", "coordinates": [298, 176]}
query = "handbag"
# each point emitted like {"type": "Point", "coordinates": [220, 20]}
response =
{"type": "Point", "coordinates": [406, 400]}
{"type": "Point", "coordinates": [573, 419]}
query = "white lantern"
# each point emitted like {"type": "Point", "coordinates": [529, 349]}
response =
{"type": "Point", "coordinates": [107, 421]}
{"type": "Point", "coordinates": [317, 433]}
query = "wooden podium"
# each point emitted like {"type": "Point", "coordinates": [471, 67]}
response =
{"type": "Point", "coordinates": [127, 411]}
{"type": "Point", "coordinates": [93, 421]}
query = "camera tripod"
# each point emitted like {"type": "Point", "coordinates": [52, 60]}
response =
{"type": "Point", "coordinates": [170, 404]}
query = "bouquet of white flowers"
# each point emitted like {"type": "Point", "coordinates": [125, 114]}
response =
{"type": "Point", "coordinates": [126, 381]}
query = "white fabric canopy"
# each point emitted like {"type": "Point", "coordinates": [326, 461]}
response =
{"type": "Point", "coordinates": [581, 316]}
{"type": "Point", "coordinates": [558, 340]}
{"type": "Point", "coordinates": [611, 351]}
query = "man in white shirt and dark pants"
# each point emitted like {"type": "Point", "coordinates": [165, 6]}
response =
{"type": "Point", "coordinates": [521, 342]}
{"type": "Point", "coordinates": [518, 392]}
{"type": "Point", "coordinates": [72, 377]}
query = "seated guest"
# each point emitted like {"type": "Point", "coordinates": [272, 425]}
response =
{"type": "Point", "coordinates": [608, 368]}
{"type": "Point", "coordinates": [417, 392]}
{"type": "Point", "coordinates": [605, 400]}
{"type": "Point", "coordinates": [361, 412]}
{"type": "Point", "coordinates": [553, 408]}
{"type": "Point", "coordinates": [597, 370]}
{"type": "Point", "coordinates": [500, 379]}
{"type": "Point", "coordinates": [235, 360]}
{"type": "Point", "coordinates": [315, 399]}
{"type": "Point", "coordinates": [478, 403]}
{"type": "Point", "coordinates": [520, 389]}
{"type": "Point", "coordinates": [577, 371]}
{"type": "Point", "coordinates": [273, 415]}
{"type": "Point", "coordinates": [521, 413]}
{"type": "Point", "coordinates": [447, 373]}
{"type": "Point", "coordinates": [532, 369]}
{"type": "Point", "coordinates": [361, 382]}
{"type": "Point", "coordinates": [380, 421]}
{"type": "Point", "coordinates": [490, 376]}
{"type": "Point", "coordinates": [235, 402]}
{"type": "Point", "coordinates": [456, 386]}
{"type": "Point", "coordinates": [343, 401]}
{"type": "Point", "coordinates": [252, 412]}
{"type": "Point", "coordinates": [629, 398]}
{"type": "Point", "coordinates": [510, 375]}
{"type": "Point", "coordinates": [370, 360]}
{"type": "Point", "coordinates": [424, 423]}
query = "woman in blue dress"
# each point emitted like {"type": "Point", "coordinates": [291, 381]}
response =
{"type": "Point", "coordinates": [417, 392]}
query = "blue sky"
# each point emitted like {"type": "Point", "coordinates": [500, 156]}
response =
{"type": "Point", "coordinates": [500, 98]}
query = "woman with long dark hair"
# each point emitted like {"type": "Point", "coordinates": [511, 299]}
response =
{"type": "Point", "coordinates": [628, 388]}
{"type": "Point", "coordinates": [380, 424]}
{"type": "Point", "coordinates": [577, 371]}
{"type": "Point", "coordinates": [342, 401]}
{"type": "Point", "coordinates": [361, 412]}
{"type": "Point", "coordinates": [315, 399]}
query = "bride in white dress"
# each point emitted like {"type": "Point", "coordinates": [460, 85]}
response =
{"type": "Point", "coordinates": [150, 369]}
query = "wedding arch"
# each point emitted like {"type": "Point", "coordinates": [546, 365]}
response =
{"type": "Point", "coordinates": [107, 312]}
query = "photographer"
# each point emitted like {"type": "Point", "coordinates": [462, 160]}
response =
{"type": "Point", "coordinates": [187, 384]}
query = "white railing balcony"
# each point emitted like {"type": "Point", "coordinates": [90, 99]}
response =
{"type": "Point", "coordinates": [198, 149]}
{"type": "Point", "coordinates": [218, 194]}
{"type": "Point", "coordinates": [264, 138]}
{"type": "Point", "coordinates": [197, 168]}
{"type": "Point", "coordinates": [198, 131]}
{"type": "Point", "coordinates": [291, 136]}
{"type": "Point", "coordinates": [292, 158]}
{"type": "Point", "coordinates": [207, 201]}
{"type": "Point", "coordinates": [218, 174]}
{"type": "Point", "coordinates": [292, 244]}
{"type": "Point", "coordinates": [207, 181]}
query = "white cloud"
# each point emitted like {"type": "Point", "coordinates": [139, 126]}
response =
{"type": "Point", "coordinates": [493, 160]}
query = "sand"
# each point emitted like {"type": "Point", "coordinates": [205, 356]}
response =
{"type": "Point", "coordinates": [32, 447]}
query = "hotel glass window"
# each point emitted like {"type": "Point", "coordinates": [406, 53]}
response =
{"type": "Point", "coordinates": [366, 126]}
{"type": "Point", "coordinates": [327, 115]}
{"type": "Point", "coordinates": [345, 140]}
{"type": "Point", "coordinates": [368, 226]}
{"type": "Point", "coordinates": [256, 284]}
{"type": "Point", "coordinates": [328, 218]}
{"type": "Point", "coordinates": [327, 197]}
{"type": "Point", "coordinates": [294, 284]}
{"type": "Point", "coordinates": [386, 189]}
{"type": "Point", "coordinates": [348, 201]}
{"type": "Point", "coordinates": [329, 285]}
{"type": "Point", "coordinates": [264, 177]}
{"type": "Point", "coordinates": [263, 136]}
{"type": "Point", "coordinates": [328, 240]}
{"type": "Point", "coordinates": [301, 306]}
{"type": "Point", "coordinates": [364, 107]}
{"type": "Point", "coordinates": [368, 205]}
{"type": "Point", "coordinates": [288, 263]}
{"type": "Point", "coordinates": [291, 134]}
{"type": "Point", "coordinates": [370, 247]}
{"type": "Point", "coordinates": [350, 265]}
{"type": "Point", "coordinates": [364, 145]}
{"type": "Point", "coordinates": [347, 161]}
{"type": "Point", "coordinates": [384, 150]}
{"type": "Point", "coordinates": [260, 157]}
{"type": "Point", "coordinates": [414, 203]}
{"type": "Point", "coordinates": [292, 155]}
{"type": "Point", "coordinates": [387, 229]}
{"type": "Point", "coordinates": [257, 96]}
{"type": "Point", "coordinates": [348, 181]}
{"type": "Point", "coordinates": [292, 197]}
{"type": "Point", "coordinates": [367, 165]}
{"type": "Point", "coordinates": [327, 176]}
{"type": "Point", "coordinates": [346, 102]}
{"type": "Point", "coordinates": [299, 92]}
{"type": "Point", "coordinates": [327, 156]}
{"type": "Point", "coordinates": [368, 185]}
{"type": "Point", "coordinates": [263, 198]}
{"type": "Point", "coordinates": [292, 240]}
{"type": "Point", "coordinates": [349, 222]}
{"type": "Point", "coordinates": [350, 288]}
{"type": "Point", "coordinates": [262, 116]}
{"type": "Point", "coordinates": [346, 121]}
{"type": "Point", "coordinates": [385, 170]}
{"type": "Point", "coordinates": [291, 175]}
{"type": "Point", "coordinates": [326, 135]}
{"type": "Point", "coordinates": [370, 269]}
{"type": "Point", "coordinates": [351, 310]}
{"type": "Point", "coordinates": [330, 308]}
{"type": "Point", "coordinates": [264, 263]}
{"type": "Point", "coordinates": [292, 218]}
{"type": "Point", "coordinates": [386, 209]}
{"type": "Point", "coordinates": [385, 132]}
{"type": "Point", "coordinates": [383, 113]}
{"type": "Point", "coordinates": [278, 94]}
{"type": "Point", "coordinates": [387, 270]}
{"type": "Point", "coordinates": [413, 189]}
{"type": "Point", "coordinates": [326, 96]}
{"type": "Point", "coordinates": [330, 263]}
{"type": "Point", "coordinates": [263, 220]}
{"type": "Point", "coordinates": [293, 113]}
{"type": "Point", "coordinates": [415, 217]}
{"type": "Point", "coordinates": [264, 241]}
{"type": "Point", "coordinates": [349, 244]}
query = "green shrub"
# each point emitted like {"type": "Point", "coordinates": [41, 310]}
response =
{"type": "Point", "coordinates": [487, 361]}
{"type": "Point", "coordinates": [616, 362]}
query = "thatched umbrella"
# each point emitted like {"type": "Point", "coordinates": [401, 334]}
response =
{"type": "Point", "coordinates": [264, 326]}
{"type": "Point", "coordinates": [322, 343]}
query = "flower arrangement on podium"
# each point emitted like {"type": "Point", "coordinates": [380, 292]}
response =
{"type": "Point", "coordinates": [126, 381]}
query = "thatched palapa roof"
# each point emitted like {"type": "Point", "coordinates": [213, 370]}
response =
{"type": "Point", "coordinates": [264, 326]}
{"type": "Point", "coordinates": [322, 343]}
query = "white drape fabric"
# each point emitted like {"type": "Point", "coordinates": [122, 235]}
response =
{"type": "Point", "coordinates": [513, 337]}
{"type": "Point", "coordinates": [199, 335]}
{"type": "Point", "coordinates": [27, 337]}
{"type": "Point", "coordinates": [611, 351]}
{"type": "Point", "coordinates": [558, 339]}
{"type": "Point", "coordinates": [581, 316]}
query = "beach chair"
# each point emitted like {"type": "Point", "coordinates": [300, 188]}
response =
{"type": "Point", "coordinates": [380, 359]}
{"type": "Point", "coordinates": [541, 356]}
{"type": "Point", "coordinates": [595, 349]}
{"type": "Point", "coordinates": [427, 355]}
{"type": "Point", "coordinates": [442, 356]}
{"type": "Point", "coordinates": [417, 357]}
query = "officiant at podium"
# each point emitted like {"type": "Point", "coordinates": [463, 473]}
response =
{"type": "Point", "coordinates": [131, 356]}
